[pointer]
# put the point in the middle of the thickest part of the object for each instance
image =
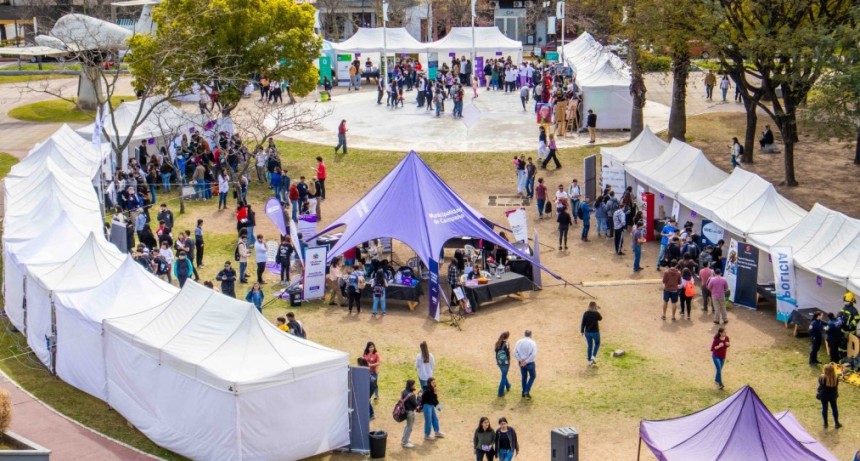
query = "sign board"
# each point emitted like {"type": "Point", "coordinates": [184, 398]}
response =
{"type": "Point", "coordinates": [432, 65]}
{"type": "Point", "coordinates": [711, 233]}
{"type": "Point", "coordinates": [307, 226]}
{"type": "Point", "coordinates": [552, 56]}
{"type": "Point", "coordinates": [613, 175]}
{"type": "Point", "coordinates": [676, 209]}
{"type": "Point", "coordinates": [784, 282]}
{"type": "Point", "coordinates": [325, 68]}
{"type": "Point", "coordinates": [434, 289]}
{"type": "Point", "coordinates": [742, 273]}
{"type": "Point", "coordinates": [314, 276]}
{"type": "Point", "coordinates": [590, 167]}
{"type": "Point", "coordinates": [343, 63]}
{"type": "Point", "coordinates": [518, 219]}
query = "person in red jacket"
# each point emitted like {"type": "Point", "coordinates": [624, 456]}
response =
{"type": "Point", "coordinates": [719, 347]}
{"type": "Point", "coordinates": [321, 176]}
{"type": "Point", "coordinates": [294, 201]}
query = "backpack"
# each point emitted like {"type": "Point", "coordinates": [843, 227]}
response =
{"type": "Point", "coordinates": [547, 209]}
{"type": "Point", "coordinates": [399, 412]}
{"type": "Point", "coordinates": [740, 150]}
{"type": "Point", "coordinates": [236, 253]}
{"type": "Point", "coordinates": [162, 268]}
{"type": "Point", "coordinates": [378, 291]}
{"type": "Point", "coordinates": [689, 288]}
{"type": "Point", "coordinates": [579, 212]}
{"type": "Point", "coordinates": [418, 398]}
{"type": "Point", "coordinates": [502, 357]}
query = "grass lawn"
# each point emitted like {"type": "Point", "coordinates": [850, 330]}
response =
{"type": "Point", "coordinates": [58, 111]}
{"type": "Point", "coordinates": [31, 78]}
{"type": "Point", "coordinates": [7, 161]}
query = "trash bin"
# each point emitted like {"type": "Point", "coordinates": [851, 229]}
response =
{"type": "Point", "coordinates": [378, 440]}
{"type": "Point", "coordinates": [295, 297]}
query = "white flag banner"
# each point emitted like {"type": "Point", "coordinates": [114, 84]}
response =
{"type": "Point", "coordinates": [294, 237]}
{"type": "Point", "coordinates": [784, 281]}
{"type": "Point", "coordinates": [559, 9]}
{"type": "Point", "coordinates": [474, 14]}
{"type": "Point", "coordinates": [518, 220]}
{"type": "Point", "coordinates": [385, 11]}
{"type": "Point", "coordinates": [314, 275]}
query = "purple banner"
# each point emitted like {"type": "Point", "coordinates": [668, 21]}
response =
{"type": "Point", "coordinates": [275, 212]}
{"type": "Point", "coordinates": [434, 289]}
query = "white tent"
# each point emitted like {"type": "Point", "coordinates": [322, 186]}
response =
{"type": "Point", "coordinates": [208, 377]}
{"type": "Point", "coordinates": [680, 168]}
{"type": "Point", "coordinates": [80, 359]}
{"type": "Point", "coordinates": [825, 246]}
{"type": "Point", "coordinates": [646, 146]}
{"type": "Point", "coordinates": [51, 183]}
{"type": "Point", "coordinates": [606, 91]}
{"type": "Point", "coordinates": [94, 261]}
{"type": "Point", "coordinates": [163, 120]}
{"type": "Point", "coordinates": [744, 203]}
{"type": "Point", "coordinates": [370, 40]}
{"type": "Point", "coordinates": [489, 43]}
{"type": "Point", "coordinates": [68, 150]}
{"type": "Point", "coordinates": [584, 42]}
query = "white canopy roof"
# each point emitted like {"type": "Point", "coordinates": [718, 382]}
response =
{"type": "Point", "coordinates": [163, 120]}
{"type": "Point", "coordinates": [646, 146]}
{"type": "Point", "coordinates": [47, 185]}
{"type": "Point", "coordinates": [58, 241]}
{"type": "Point", "coordinates": [68, 150]}
{"type": "Point", "coordinates": [604, 75]}
{"type": "Point", "coordinates": [94, 261]}
{"type": "Point", "coordinates": [680, 168]}
{"type": "Point", "coordinates": [744, 203]}
{"type": "Point", "coordinates": [80, 32]}
{"type": "Point", "coordinates": [487, 39]}
{"type": "Point", "coordinates": [223, 342]}
{"type": "Point", "coordinates": [29, 51]}
{"type": "Point", "coordinates": [584, 42]}
{"type": "Point", "coordinates": [824, 242]}
{"type": "Point", "coordinates": [396, 40]}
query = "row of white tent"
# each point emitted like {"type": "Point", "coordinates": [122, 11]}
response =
{"type": "Point", "coordinates": [825, 244]}
{"type": "Point", "coordinates": [604, 80]}
{"type": "Point", "coordinates": [199, 373]}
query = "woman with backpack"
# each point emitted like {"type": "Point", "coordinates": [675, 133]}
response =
{"type": "Point", "coordinates": [354, 282]}
{"type": "Point", "coordinates": [378, 285]}
{"type": "Point", "coordinates": [687, 292]}
{"type": "Point", "coordinates": [408, 404]}
{"type": "Point", "coordinates": [503, 360]}
{"type": "Point", "coordinates": [828, 393]}
{"type": "Point", "coordinates": [506, 441]}
{"type": "Point", "coordinates": [164, 262]}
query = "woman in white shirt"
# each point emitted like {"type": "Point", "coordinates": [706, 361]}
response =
{"type": "Point", "coordinates": [223, 188]}
{"type": "Point", "coordinates": [575, 194]}
{"type": "Point", "coordinates": [424, 363]}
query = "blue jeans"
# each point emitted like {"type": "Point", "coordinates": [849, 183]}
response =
{"type": "Point", "coordinates": [199, 189]}
{"type": "Point", "coordinates": [540, 205]}
{"type": "Point", "coordinates": [207, 190]}
{"type": "Point", "coordinates": [277, 191]}
{"type": "Point", "coordinates": [242, 268]}
{"type": "Point", "coordinates": [165, 182]}
{"type": "Point", "coordinates": [586, 225]}
{"type": "Point", "coordinates": [430, 419]}
{"type": "Point", "coordinates": [593, 341]}
{"type": "Point", "coordinates": [378, 300]}
{"type": "Point", "coordinates": [530, 186]}
{"type": "Point", "coordinates": [341, 142]}
{"type": "Point", "coordinates": [601, 225]}
{"type": "Point", "coordinates": [504, 384]}
{"type": "Point", "coordinates": [294, 204]}
{"type": "Point", "coordinates": [529, 374]}
{"type": "Point", "coordinates": [251, 238]}
{"type": "Point", "coordinates": [152, 193]}
{"type": "Point", "coordinates": [660, 254]}
{"type": "Point", "coordinates": [506, 455]}
{"type": "Point", "coordinates": [222, 199]}
{"type": "Point", "coordinates": [718, 364]}
{"type": "Point", "coordinates": [637, 255]}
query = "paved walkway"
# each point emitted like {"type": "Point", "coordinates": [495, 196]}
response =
{"type": "Point", "coordinates": [66, 440]}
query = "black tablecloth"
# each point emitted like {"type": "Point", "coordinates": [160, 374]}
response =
{"type": "Point", "coordinates": [522, 267]}
{"type": "Point", "coordinates": [510, 283]}
{"type": "Point", "coordinates": [328, 240]}
{"type": "Point", "coordinates": [767, 292]}
{"type": "Point", "coordinates": [397, 292]}
{"type": "Point", "coordinates": [803, 317]}
{"type": "Point", "coordinates": [461, 242]}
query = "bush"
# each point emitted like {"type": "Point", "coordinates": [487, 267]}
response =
{"type": "Point", "coordinates": [651, 63]}
{"type": "Point", "coordinates": [5, 410]}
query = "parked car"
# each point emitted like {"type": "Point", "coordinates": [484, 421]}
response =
{"type": "Point", "coordinates": [700, 49]}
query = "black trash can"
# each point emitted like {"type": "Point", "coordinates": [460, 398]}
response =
{"type": "Point", "coordinates": [296, 297]}
{"type": "Point", "coordinates": [378, 440]}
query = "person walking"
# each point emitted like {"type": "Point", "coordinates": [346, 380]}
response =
{"type": "Point", "coordinates": [371, 355]}
{"type": "Point", "coordinates": [710, 83]}
{"type": "Point", "coordinates": [828, 392]}
{"type": "Point", "coordinates": [638, 241]}
{"type": "Point", "coordinates": [737, 152]}
{"type": "Point", "coordinates": [425, 363]}
{"type": "Point", "coordinates": [552, 153]}
{"type": "Point", "coordinates": [255, 296]}
{"type": "Point", "coordinates": [671, 285]}
{"type": "Point", "coordinates": [182, 269]}
{"type": "Point", "coordinates": [540, 195]}
{"type": "Point", "coordinates": [341, 137]}
{"type": "Point", "coordinates": [619, 223]}
{"type": "Point", "coordinates": [564, 222]}
{"type": "Point", "coordinates": [410, 404]}
{"type": "Point", "coordinates": [590, 328]}
{"type": "Point", "coordinates": [334, 278]}
{"type": "Point", "coordinates": [816, 332]}
{"type": "Point", "coordinates": [725, 85]}
{"type": "Point", "coordinates": [718, 286]}
{"type": "Point", "coordinates": [525, 352]}
{"type": "Point", "coordinates": [585, 215]}
{"type": "Point", "coordinates": [484, 440]}
{"type": "Point", "coordinates": [431, 407]}
{"type": "Point", "coordinates": [503, 360]}
{"type": "Point", "coordinates": [591, 123]}
{"type": "Point", "coordinates": [705, 274]}
{"type": "Point", "coordinates": [718, 352]}
{"type": "Point", "coordinates": [506, 441]}
{"type": "Point", "coordinates": [379, 285]}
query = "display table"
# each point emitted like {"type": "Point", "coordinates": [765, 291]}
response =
{"type": "Point", "coordinates": [329, 240]}
{"type": "Point", "coordinates": [397, 292]}
{"type": "Point", "coordinates": [459, 243]}
{"type": "Point", "coordinates": [767, 292]}
{"type": "Point", "coordinates": [802, 318]}
{"type": "Point", "coordinates": [522, 267]}
{"type": "Point", "coordinates": [509, 284]}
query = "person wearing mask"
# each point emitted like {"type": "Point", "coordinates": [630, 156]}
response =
{"type": "Point", "coordinates": [816, 331]}
{"type": "Point", "coordinates": [564, 222]}
{"type": "Point", "coordinates": [227, 277]}
{"type": "Point", "coordinates": [261, 254]}
{"type": "Point", "coordinates": [671, 285]}
{"type": "Point", "coordinates": [484, 440]}
{"type": "Point", "coordinates": [284, 257]}
{"type": "Point", "coordinates": [719, 346]}
{"type": "Point", "coordinates": [718, 286]}
{"type": "Point", "coordinates": [503, 360]}
{"type": "Point", "coordinates": [828, 392]}
{"type": "Point", "coordinates": [410, 403]}
{"type": "Point", "coordinates": [425, 364]}
{"type": "Point", "coordinates": [255, 296]}
{"type": "Point", "coordinates": [378, 285]}
{"type": "Point", "coordinates": [506, 441]}
{"type": "Point", "coordinates": [430, 402]}
{"type": "Point", "coordinates": [590, 328]}
{"type": "Point", "coordinates": [182, 269]}
{"type": "Point", "coordinates": [371, 355]}
{"type": "Point", "coordinates": [525, 352]}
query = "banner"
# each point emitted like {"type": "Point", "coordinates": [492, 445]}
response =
{"type": "Point", "coordinates": [434, 289]}
{"type": "Point", "coordinates": [676, 209]}
{"type": "Point", "coordinates": [297, 243]}
{"type": "Point", "coordinates": [536, 271]}
{"type": "Point", "coordinates": [784, 282]}
{"type": "Point", "coordinates": [314, 279]}
{"type": "Point", "coordinates": [307, 226]}
{"type": "Point", "coordinates": [519, 224]}
{"type": "Point", "coordinates": [711, 233]}
{"type": "Point", "coordinates": [731, 272]}
{"type": "Point", "coordinates": [742, 273]}
{"type": "Point", "coordinates": [432, 65]}
{"type": "Point", "coordinates": [275, 212]}
{"type": "Point", "coordinates": [614, 176]}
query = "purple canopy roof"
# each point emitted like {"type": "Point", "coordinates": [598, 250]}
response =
{"type": "Point", "coordinates": [790, 423]}
{"type": "Point", "coordinates": [739, 427]}
{"type": "Point", "coordinates": [413, 205]}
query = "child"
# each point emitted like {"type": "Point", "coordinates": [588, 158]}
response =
{"type": "Point", "coordinates": [438, 100]}
{"type": "Point", "coordinates": [474, 86]}
{"type": "Point", "coordinates": [282, 324]}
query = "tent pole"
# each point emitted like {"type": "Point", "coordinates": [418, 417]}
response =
{"type": "Point", "coordinates": [639, 450]}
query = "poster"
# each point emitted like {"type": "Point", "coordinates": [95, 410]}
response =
{"type": "Point", "coordinates": [294, 237]}
{"type": "Point", "coordinates": [518, 220]}
{"type": "Point", "coordinates": [343, 63]}
{"type": "Point", "coordinates": [307, 226]}
{"type": "Point", "coordinates": [731, 269]}
{"type": "Point", "coordinates": [711, 233]}
{"type": "Point", "coordinates": [676, 209]}
{"type": "Point", "coordinates": [432, 65]}
{"type": "Point", "coordinates": [784, 282]}
{"type": "Point", "coordinates": [275, 212]}
{"type": "Point", "coordinates": [314, 275]}
{"type": "Point", "coordinates": [434, 289]}
{"type": "Point", "coordinates": [742, 273]}
{"type": "Point", "coordinates": [614, 176]}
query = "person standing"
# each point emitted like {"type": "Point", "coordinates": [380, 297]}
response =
{"type": "Point", "coordinates": [322, 174]}
{"type": "Point", "coordinates": [667, 232]}
{"type": "Point", "coordinates": [182, 269]}
{"type": "Point", "coordinates": [564, 221]}
{"type": "Point", "coordinates": [484, 440]}
{"type": "Point", "coordinates": [590, 328]}
{"type": "Point", "coordinates": [710, 83]}
{"type": "Point", "coordinates": [725, 85]}
{"type": "Point", "coordinates": [425, 363]}
{"type": "Point", "coordinates": [227, 277]}
{"type": "Point", "coordinates": [638, 241]}
{"type": "Point", "coordinates": [506, 441]}
{"type": "Point", "coordinates": [718, 286]}
{"type": "Point", "coordinates": [284, 258]}
{"type": "Point", "coordinates": [531, 172]}
{"type": "Point", "coordinates": [410, 404]}
{"type": "Point", "coordinates": [525, 352]}
{"type": "Point", "coordinates": [198, 242]}
{"type": "Point", "coordinates": [833, 336]}
{"type": "Point", "coordinates": [671, 285]}
{"type": "Point", "coordinates": [354, 283]}
{"type": "Point", "coordinates": [619, 223]}
{"type": "Point", "coordinates": [816, 331]}
{"type": "Point", "coordinates": [242, 252]}
{"type": "Point", "coordinates": [585, 216]}
{"type": "Point", "coordinates": [687, 292]}
{"type": "Point", "coordinates": [334, 277]}
{"type": "Point", "coordinates": [250, 224]}
{"type": "Point", "coordinates": [705, 274]}
{"type": "Point", "coordinates": [255, 296]}
{"type": "Point", "coordinates": [261, 254]}
{"type": "Point", "coordinates": [718, 352]}
{"type": "Point", "coordinates": [591, 123]}
{"type": "Point", "coordinates": [503, 360]}
{"type": "Point", "coordinates": [430, 402]}
{"type": "Point", "coordinates": [371, 355]}
{"type": "Point", "coordinates": [828, 392]}
{"type": "Point", "coordinates": [223, 189]}
{"type": "Point", "coordinates": [737, 152]}
{"type": "Point", "coordinates": [378, 285]}
{"type": "Point", "coordinates": [341, 137]}
{"type": "Point", "coordinates": [540, 195]}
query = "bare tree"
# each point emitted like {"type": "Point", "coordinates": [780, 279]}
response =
{"type": "Point", "coordinates": [330, 10]}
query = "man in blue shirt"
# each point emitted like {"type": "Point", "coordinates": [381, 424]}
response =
{"type": "Point", "coordinates": [667, 232]}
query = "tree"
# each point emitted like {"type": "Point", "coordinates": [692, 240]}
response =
{"type": "Point", "coordinates": [786, 45]}
{"type": "Point", "coordinates": [634, 27]}
{"type": "Point", "coordinates": [329, 10]}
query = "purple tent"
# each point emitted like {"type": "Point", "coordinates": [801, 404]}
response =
{"type": "Point", "coordinates": [790, 423]}
{"type": "Point", "coordinates": [739, 427]}
{"type": "Point", "coordinates": [413, 205]}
